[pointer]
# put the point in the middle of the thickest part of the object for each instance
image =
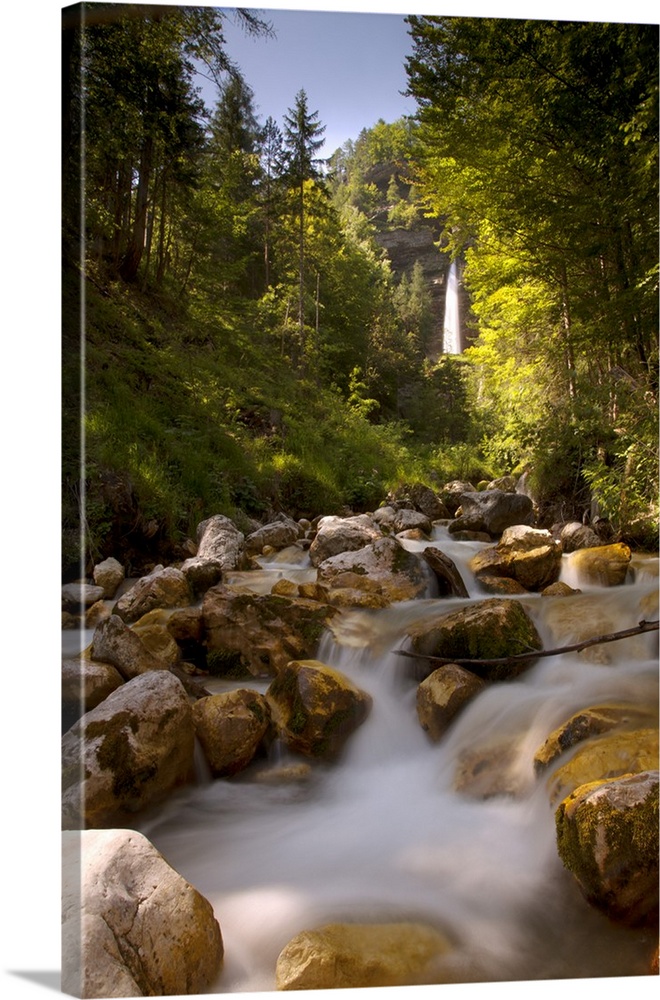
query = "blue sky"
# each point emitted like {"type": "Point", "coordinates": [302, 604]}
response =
{"type": "Point", "coordinates": [351, 66]}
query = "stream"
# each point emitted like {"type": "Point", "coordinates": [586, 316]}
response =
{"type": "Point", "coordinates": [381, 834]}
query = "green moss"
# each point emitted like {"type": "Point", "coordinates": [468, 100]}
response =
{"type": "Point", "coordinates": [116, 754]}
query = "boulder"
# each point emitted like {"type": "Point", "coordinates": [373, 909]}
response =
{"type": "Point", "coordinates": [559, 589]}
{"type": "Point", "coordinates": [499, 584]}
{"type": "Point", "coordinates": [601, 566]}
{"type": "Point", "coordinates": [85, 684]}
{"type": "Point", "coordinates": [315, 708]}
{"type": "Point", "coordinates": [153, 630]}
{"type": "Point", "coordinates": [97, 614]}
{"type": "Point", "coordinates": [492, 511]}
{"type": "Point", "coordinates": [77, 596]}
{"type": "Point", "coordinates": [109, 575]}
{"type": "Point", "coordinates": [451, 493]}
{"type": "Point", "coordinates": [277, 535]}
{"type": "Point", "coordinates": [219, 549]}
{"type": "Point", "coordinates": [116, 643]}
{"type": "Point", "coordinates": [131, 750]}
{"type": "Point", "coordinates": [442, 696]}
{"type": "Point", "coordinates": [230, 728]}
{"type": "Point", "coordinates": [162, 588]}
{"type": "Point", "coordinates": [261, 632]}
{"type": "Point", "coordinates": [531, 556]}
{"type": "Point", "coordinates": [411, 520]}
{"type": "Point", "coordinates": [344, 956]}
{"type": "Point", "coordinates": [616, 753]}
{"type": "Point", "coordinates": [418, 497]}
{"type": "Point", "coordinates": [384, 569]}
{"type": "Point", "coordinates": [607, 836]}
{"type": "Point", "coordinates": [591, 721]}
{"type": "Point", "coordinates": [489, 629]}
{"type": "Point", "coordinates": [575, 535]}
{"type": "Point", "coordinates": [131, 925]}
{"type": "Point", "coordinates": [505, 483]}
{"type": "Point", "coordinates": [342, 534]}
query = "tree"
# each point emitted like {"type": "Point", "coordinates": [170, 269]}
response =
{"type": "Point", "coordinates": [302, 139]}
{"type": "Point", "coordinates": [538, 143]}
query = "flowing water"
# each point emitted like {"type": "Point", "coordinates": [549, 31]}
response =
{"type": "Point", "coordinates": [451, 342]}
{"type": "Point", "coordinates": [382, 835]}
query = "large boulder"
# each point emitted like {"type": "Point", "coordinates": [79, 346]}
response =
{"type": "Point", "coordinates": [261, 633]}
{"type": "Point", "coordinates": [531, 556]}
{"type": "Point", "coordinates": [442, 695]}
{"type": "Point", "coordinates": [345, 956]}
{"type": "Point", "coordinates": [451, 493]}
{"type": "Point", "coordinates": [601, 566]}
{"type": "Point", "coordinates": [607, 836]}
{"type": "Point", "coordinates": [219, 549]}
{"type": "Point", "coordinates": [164, 587]}
{"type": "Point", "coordinates": [230, 727]}
{"type": "Point", "coordinates": [383, 569]}
{"type": "Point", "coordinates": [417, 496]}
{"type": "Point", "coordinates": [116, 643]}
{"type": "Point", "coordinates": [411, 520]}
{"type": "Point", "coordinates": [277, 534]}
{"type": "Point", "coordinates": [131, 750]}
{"type": "Point", "coordinates": [490, 630]}
{"type": "Point", "coordinates": [153, 630]}
{"type": "Point", "coordinates": [492, 511]}
{"type": "Point", "coordinates": [109, 575]}
{"type": "Point", "coordinates": [342, 534]}
{"type": "Point", "coordinates": [315, 708]}
{"type": "Point", "coordinates": [131, 925]}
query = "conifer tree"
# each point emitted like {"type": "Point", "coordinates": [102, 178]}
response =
{"type": "Point", "coordinates": [302, 139]}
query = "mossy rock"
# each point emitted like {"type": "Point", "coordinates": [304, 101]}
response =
{"type": "Point", "coordinates": [592, 721]}
{"type": "Point", "coordinates": [315, 707]}
{"type": "Point", "coordinates": [486, 630]}
{"type": "Point", "coordinates": [606, 757]}
{"type": "Point", "coordinates": [607, 836]}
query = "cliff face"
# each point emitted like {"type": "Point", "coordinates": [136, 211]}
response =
{"type": "Point", "coordinates": [419, 242]}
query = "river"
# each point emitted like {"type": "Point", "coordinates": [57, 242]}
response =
{"type": "Point", "coordinates": [382, 834]}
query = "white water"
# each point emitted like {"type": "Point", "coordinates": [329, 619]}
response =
{"type": "Point", "coordinates": [382, 835]}
{"type": "Point", "coordinates": [451, 341]}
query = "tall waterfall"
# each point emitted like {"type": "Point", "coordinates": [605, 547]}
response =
{"type": "Point", "coordinates": [451, 339]}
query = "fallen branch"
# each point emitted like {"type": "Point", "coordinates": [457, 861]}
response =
{"type": "Point", "coordinates": [576, 647]}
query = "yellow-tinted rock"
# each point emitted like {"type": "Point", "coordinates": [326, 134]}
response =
{"type": "Point", "coordinates": [592, 721]}
{"type": "Point", "coordinates": [344, 956]}
{"type": "Point", "coordinates": [442, 695]}
{"type": "Point", "coordinates": [607, 757]}
{"type": "Point", "coordinates": [603, 566]}
{"type": "Point", "coordinates": [315, 707]}
{"type": "Point", "coordinates": [230, 728]}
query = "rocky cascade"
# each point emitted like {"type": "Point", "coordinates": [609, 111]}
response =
{"type": "Point", "coordinates": [258, 615]}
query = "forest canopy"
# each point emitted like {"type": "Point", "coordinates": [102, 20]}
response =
{"type": "Point", "coordinates": [249, 344]}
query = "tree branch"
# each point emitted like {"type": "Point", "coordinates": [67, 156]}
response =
{"type": "Point", "coordinates": [643, 626]}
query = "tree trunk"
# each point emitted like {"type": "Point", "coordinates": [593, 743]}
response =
{"type": "Point", "coordinates": [130, 264]}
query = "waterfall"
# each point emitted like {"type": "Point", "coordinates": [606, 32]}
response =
{"type": "Point", "coordinates": [451, 340]}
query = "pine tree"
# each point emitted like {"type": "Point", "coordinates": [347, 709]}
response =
{"type": "Point", "coordinates": [302, 139]}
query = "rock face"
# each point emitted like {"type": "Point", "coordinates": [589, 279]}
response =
{"type": "Point", "coordinates": [442, 695]}
{"type": "Point", "coordinates": [488, 629]}
{"type": "Point", "coordinates": [602, 566]}
{"type": "Point", "coordinates": [344, 956]}
{"type": "Point", "coordinates": [132, 926]}
{"type": "Point", "coordinates": [316, 708]}
{"type": "Point", "coordinates": [219, 548]}
{"type": "Point", "coordinates": [114, 642]}
{"type": "Point", "coordinates": [131, 749]}
{"type": "Point", "coordinates": [492, 511]}
{"type": "Point", "coordinates": [607, 836]}
{"type": "Point", "coordinates": [164, 587]}
{"type": "Point", "coordinates": [531, 556]}
{"type": "Point", "coordinates": [342, 534]}
{"type": "Point", "coordinates": [383, 569]}
{"type": "Point", "coordinates": [261, 633]}
{"type": "Point", "coordinates": [230, 728]}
